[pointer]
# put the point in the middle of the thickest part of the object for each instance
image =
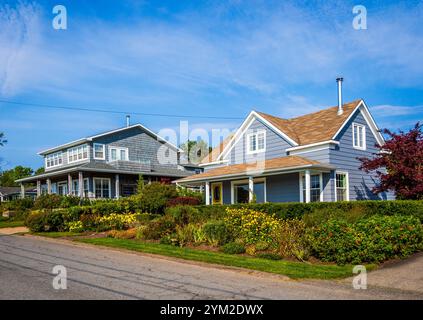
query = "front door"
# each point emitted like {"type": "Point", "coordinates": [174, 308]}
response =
{"type": "Point", "coordinates": [217, 193]}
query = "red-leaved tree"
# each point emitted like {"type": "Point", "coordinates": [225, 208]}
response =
{"type": "Point", "coordinates": [399, 164]}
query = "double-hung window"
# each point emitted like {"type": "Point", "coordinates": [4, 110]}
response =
{"type": "Point", "coordinates": [359, 136]}
{"type": "Point", "coordinates": [315, 187]}
{"type": "Point", "coordinates": [341, 186]}
{"type": "Point", "coordinates": [99, 151]}
{"type": "Point", "coordinates": [118, 153]}
{"type": "Point", "coordinates": [54, 159]}
{"type": "Point", "coordinates": [256, 142]}
{"type": "Point", "coordinates": [78, 153]}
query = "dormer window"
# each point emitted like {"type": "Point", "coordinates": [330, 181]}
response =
{"type": "Point", "coordinates": [78, 153]}
{"type": "Point", "coordinates": [256, 142]}
{"type": "Point", "coordinates": [359, 136]}
{"type": "Point", "coordinates": [99, 152]}
{"type": "Point", "coordinates": [54, 159]}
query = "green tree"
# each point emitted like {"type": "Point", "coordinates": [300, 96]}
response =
{"type": "Point", "coordinates": [195, 150]}
{"type": "Point", "coordinates": [141, 184]}
{"type": "Point", "coordinates": [39, 170]}
{"type": "Point", "coordinates": [8, 177]}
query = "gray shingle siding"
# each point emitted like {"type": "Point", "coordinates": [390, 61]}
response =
{"type": "Point", "coordinates": [275, 145]}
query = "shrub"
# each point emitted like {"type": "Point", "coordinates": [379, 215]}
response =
{"type": "Point", "coordinates": [157, 228]}
{"type": "Point", "coordinates": [48, 201]}
{"type": "Point", "coordinates": [171, 239]}
{"type": "Point", "coordinates": [185, 234]}
{"type": "Point", "coordinates": [216, 233]}
{"type": "Point", "coordinates": [185, 201]}
{"type": "Point", "coordinates": [74, 226]}
{"type": "Point", "coordinates": [116, 221]}
{"type": "Point", "coordinates": [69, 201]}
{"type": "Point", "coordinates": [252, 226]}
{"type": "Point", "coordinates": [185, 192]}
{"type": "Point", "coordinates": [233, 248]}
{"type": "Point", "coordinates": [146, 217]}
{"type": "Point", "coordinates": [322, 215]}
{"type": "Point", "coordinates": [123, 234]}
{"type": "Point", "coordinates": [372, 239]}
{"type": "Point", "coordinates": [89, 221]}
{"type": "Point", "coordinates": [183, 214]}
{"type": "Point", "coordinates": [45, 221]}
{"type": "Point", "coordinates": [292, 239]}
{"type": "Point", "coordinates": [154, 197]}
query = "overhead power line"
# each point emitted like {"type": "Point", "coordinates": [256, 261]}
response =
{"type": "Point", "coordinates": [116, 112]}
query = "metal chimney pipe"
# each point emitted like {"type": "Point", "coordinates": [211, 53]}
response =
{"type": "Point", "coordinates": [339, 81]}
{"type": "Point", "coordinates": [128, 117]}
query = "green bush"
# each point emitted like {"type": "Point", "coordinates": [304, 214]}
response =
{"type": "Point", "coordinates": [69, 201]}
{"type": "Point", "coordinates": [268, 256]}
{"type": "Point", "coordinates": [291, 238]}
{"type": "Point", "coordinates": [183, 214]}
{"type": "Point", "coordinates": [216, 233]}
{"type": "Point", "coordinates": [233, 248]}
{"type": "Point", "coordinates": [48, 201]}
{"type": "Point", "coordinates": [45, 221]}
{"type": "Point", "coordinates": [373, 239]}
{"type": "Point", "coordinates": [146, 217]}
{"type": "Point", "coordinates": [185, 233]}
{"type": "Point", "coordinates": [154, 196]}
{"type": "Point", "coordinates": [158, 228]}
{"type": "Point", "coordinates": [171, 239]}
{"type": "Point", "coordinates": [185, 192]}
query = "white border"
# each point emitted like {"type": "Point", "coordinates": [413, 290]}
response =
{"type": "Point", "coordinates": [118, 149]}
{"type": "Point", "coordinates": [348, 184]}
{"type": "Point", "coordinates": [363, 135]}
{"type": "Point", "coordinates": [104, 151]}
{"type": "Point", "coordinates": [243, 181]}
{"type": "Point", "coordinates": [247, 142]}
{"type": "Point", "coordinates": [110, 187]}
{"type": "Point", "coordinates": [301, 174]}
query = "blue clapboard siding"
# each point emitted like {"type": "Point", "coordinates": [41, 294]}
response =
{"type": "Point", "coordinates": [344, 157]}
{"type": "Point", "coordinates": [275, 146]}
{"type": "Point", "coordinates": [283, 188]}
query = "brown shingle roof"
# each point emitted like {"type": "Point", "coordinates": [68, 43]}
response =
{"type": "Point", "coordinates": [265, 165]}
{"type": "Point", "coordinates": [313, 127]}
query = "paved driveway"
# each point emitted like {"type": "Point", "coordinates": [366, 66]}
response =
{"type": "Point", "coordinates": [26, 265]}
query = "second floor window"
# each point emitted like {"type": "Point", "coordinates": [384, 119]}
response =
{"type": "Point", "coordinates": [77, 153]}
{"type": "Point", "coordinates": [256, 142]}
{"type": "Point", "coordinates": [117, 153]}
{"type": "Point", "coordinates": [99, 153]}
{"type": "Point", "coordinates": [54, 159]}
{"type": "Point", "coordinates": [359, 136]}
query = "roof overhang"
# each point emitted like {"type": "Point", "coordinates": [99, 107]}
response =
{"type": "Point", "coordinates": [261, 172]}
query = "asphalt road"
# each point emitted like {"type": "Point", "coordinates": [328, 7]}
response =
{"type": "Point", "coordinates": [26, 265]}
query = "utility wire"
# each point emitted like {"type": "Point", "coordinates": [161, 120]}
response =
{"type": "Point", "coordinates": [117, 112]}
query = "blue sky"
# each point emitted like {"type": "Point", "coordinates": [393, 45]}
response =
{"type": "Point", "coordinates": [210, 58]}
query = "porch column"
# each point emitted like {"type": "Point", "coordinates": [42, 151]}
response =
{"type": "Point", "coordinates": [69, 184]}
{"type": "Point", "coordinates": [307, 186]}
{"type": "Point", "coordinates": [48, 186]}
{"type": "Point", "coordinates": [38, 188]}
{"type": "Point", "coordinates": [250, 189]}
{"type": "Point", "coordinates": [22, 191]}
{"type": "Point", "coordinates": [117, 187]}
{"type": "Point", "coordinates": [80, 184]}
{"type": "Point", "coordinates": [207, 193]}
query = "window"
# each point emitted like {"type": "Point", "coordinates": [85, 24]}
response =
{"type": "Point", "coordinates": [54, 159]}
{"type": "Point", "coordinates": [99, 153]}
{"type": "Point", "coordinates": [315, 187]}
{"type": "Point", "coordinates": [341, 187]}
{"type": "Point", "coordinates": [359, 136]}
{"type": "Point", "coordinates": [256, 142]}
{"type": "Point", "coordinates": [241, 193]}
{"type": "Point", "coordinates": [78, 153]}
{"type": "Point", "coordinates": [116, 153]}
{"type": "Point", "coordinates": [75, 187]}
{"type": "Point", "coordinates": [86, 187]}
{"type": "Point", "coordinates": [102, 187]}
{"type": "Point", "coordinates": [62, 188]}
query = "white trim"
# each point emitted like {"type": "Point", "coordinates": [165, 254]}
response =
{"type": "Point", "coordinates": [118, 149]}
{"type": "Point", "coordinates": [348, 184]}
{"type": "Point", "coordinates": [110, 187]}
{"type": "Point", "coordinates": [244, 127]}
{"type": "Point", "coordinates": [355, 127]}
{"type": "Point", "coordinates": [312, 145]}
{"type": "Point", "coordinates": [369, 119]}
{"type": "Point", "coordinates": [104, 151]}
{"type": "Point", "coordinates": [77, 147]}
{"type": "Point", "coordinates": [60, 156]}
{"type": "Point", "coordinates": [256, 134]}
{"type": "Point", "coordinates": [246, 181]}
{"type": "Point", "coordinates": [301, 174]}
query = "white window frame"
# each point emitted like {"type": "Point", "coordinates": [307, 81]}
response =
{"type": "Point", "coordinates": [65, 184]}
{"type": "Point", "coordinates": [103, 146]}
{"type": "Point", "coordinates": [54, 156]}
{"type": "Point", "coordinates": [245, 181]}
{"type": "Point", "coordinates": [301, 175]}
{"type": "Point", "coordinates": [118, 149]}
{"type": "Point", "coordinates": [362, 138]}
{"type": "Point", "coordinates": [347, 187]}
{"type": "Point", "coordinates": [71, 152]}
{"type": "Point", "coordinates": [256, 134]}
{"type": "Point", "coordinates": [110, 187]}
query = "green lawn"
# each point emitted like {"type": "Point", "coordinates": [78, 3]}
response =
{"type": "Point", "coordinates": [11, 224]}
{"type": "Point", "coordinates": [56, 234]}
{"type": "Point", "coordinates": [288, 268]}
